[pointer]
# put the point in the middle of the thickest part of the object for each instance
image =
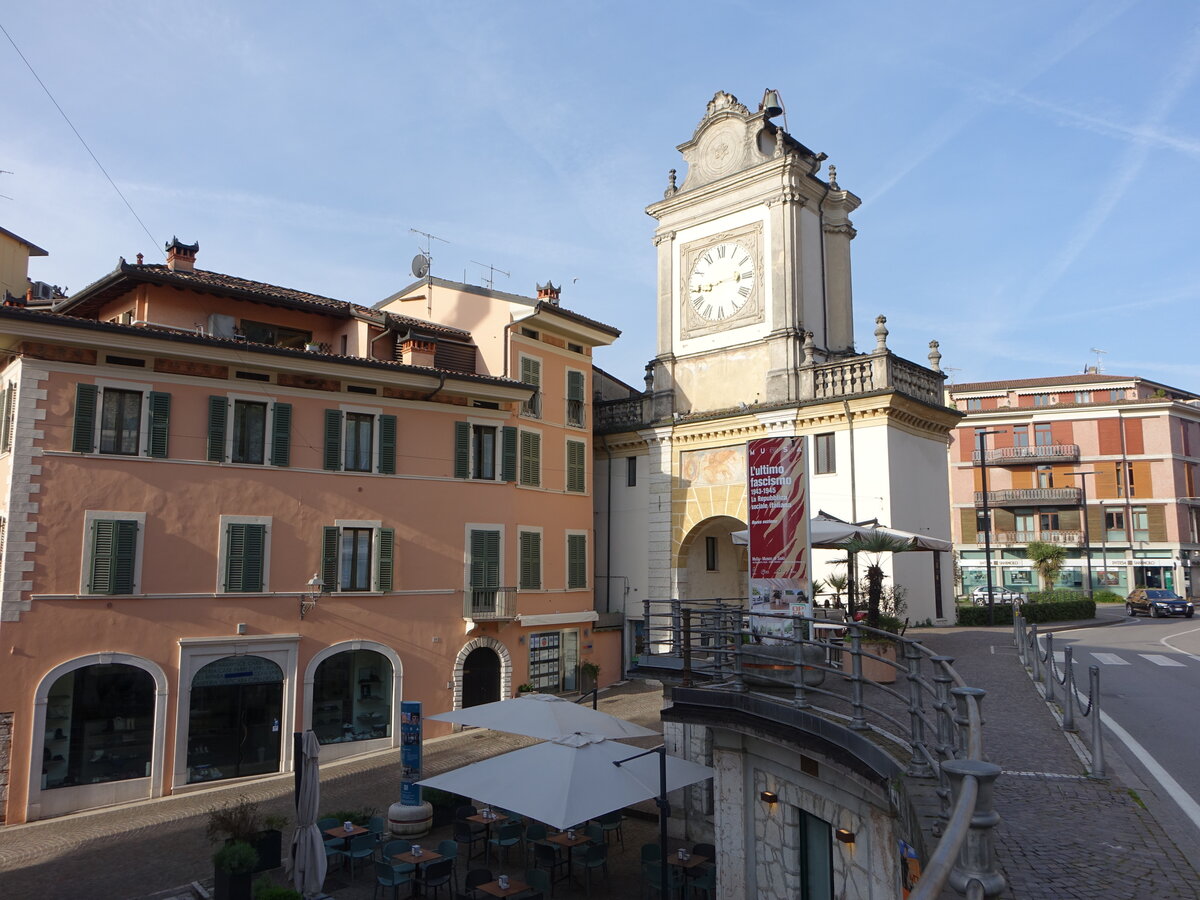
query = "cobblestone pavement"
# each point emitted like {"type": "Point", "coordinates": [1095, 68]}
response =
{"type": "Point", "coordinates": [1062, 835]}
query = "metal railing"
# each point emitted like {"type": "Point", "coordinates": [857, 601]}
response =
{"type": "Point", "coordinates": [1036, 453]}
{"type": "Point", "coordinates": [891, 685]}
{"type": "Point", "coordinates": [1060, 689]}
{"type": "Point", "coordinates": [490, 604]}
{"type": "Point", "coordinates": [1047, 537]}
{"type": "Point", "coordinates": [1031, 495]}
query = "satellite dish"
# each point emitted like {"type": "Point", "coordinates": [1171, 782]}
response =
{"type": "Point", "coordinates": [420, 265]}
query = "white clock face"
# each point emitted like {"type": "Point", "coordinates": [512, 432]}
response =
{"type": "Point", "coordinates": [721, 282]}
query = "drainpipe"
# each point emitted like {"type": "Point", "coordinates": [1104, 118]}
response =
{"type": "Point", "coordinates": [437, 390]}
{"type": "Point", "coordinates": [388, 328]}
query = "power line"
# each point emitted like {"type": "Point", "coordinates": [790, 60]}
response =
{"type": "Point", "coordinates": [67, 119]}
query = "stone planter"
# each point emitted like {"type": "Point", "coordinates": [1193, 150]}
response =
{"type": "Point", "coordinates": [410, 821]}
{"type": "Point", "coordinates": [874, 669]}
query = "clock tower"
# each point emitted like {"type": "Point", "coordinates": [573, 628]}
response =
{"type": "Point", "coordinates": [753, 252]}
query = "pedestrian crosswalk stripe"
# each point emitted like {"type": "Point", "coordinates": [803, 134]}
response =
{"type": "Point", "coordinates": [1109, 659]}
{"type": "Point", "coordinates": [1160, 660]}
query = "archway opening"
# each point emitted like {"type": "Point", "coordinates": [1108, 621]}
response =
{"type": "Point", "coordinates": [234, 719]}
{"type": "Point", "coordinates": [714, 568]}
{"type": "Point", "coordinates": [352, 697]}
{"type": "Point", "coordinates": [481, 677]}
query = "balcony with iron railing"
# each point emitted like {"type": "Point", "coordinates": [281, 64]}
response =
{"type": "Point", "coordinates": [887, 702]}
{"type": "Point", "coordinates": [1039, 453]}
{"type": "Point", "coordinates": [1046, 537]}
{"type": "Point", "coordinates": [1031, 496]}
{"type": "Point", "coordinates": [490, 604]}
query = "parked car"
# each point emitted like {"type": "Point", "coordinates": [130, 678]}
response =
{"type": "Point", "coordinates": [1157, 602]}
{"type": "Point", "coordinates": [979, 596]}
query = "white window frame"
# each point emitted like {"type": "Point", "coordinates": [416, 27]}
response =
{"type": "Point", "coordinates": [223, 552]}
{"type": "Point", "coordinates": [89, 542]}
{"type": "Point", "coordinates": [497, 458]}
{"type": "Point", "coordinates": [816, 456]}
{"type": "Point", "coordinates": [485, 526]}
{"type": "Point", "coordinates": [567, 399]}
{"type": "Point", "coordinates": [587, 559]}
{"type": "Point", "coordinates": [268, 427]}
{"type": "Point", "coordinates": [375, 412]}
{"type": "Point", "coordinates": [109, 384]}
{"type": "Point", "coordinates": [528, 529]}
{"type": "Point", "coordinates": [375, 525]}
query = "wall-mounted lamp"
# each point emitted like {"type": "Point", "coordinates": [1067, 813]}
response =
{"type": "Point", "coordinates": [308, 601]}
{"type": "Point", "coordinates": [844, 835]}
{"type": "Point", "coordinates": [769, 797]}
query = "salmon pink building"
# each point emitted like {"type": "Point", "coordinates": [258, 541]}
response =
{"type": "Point", "coordinates": [233, 511]}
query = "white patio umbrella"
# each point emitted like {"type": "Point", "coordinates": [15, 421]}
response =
{"type": "Point", "coordinates": [543, 716]}
{"type": "Point", "coordinates": [308, 864]}
{"type": "Point", "coordinates": [568, 781]}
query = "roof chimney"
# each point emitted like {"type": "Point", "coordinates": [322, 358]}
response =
{"type": "Point", "coordinates": [549, 292]}
{"type": "Point", "coordinates": [181, 257]}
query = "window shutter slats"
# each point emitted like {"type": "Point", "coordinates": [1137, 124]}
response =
{"type": "Point", "coordinates": [114, 543]}
{"type": "Point", "coordinates": [387, 445]}
{"type": "Point", "coordinates": [462, 449]}
{"type": "Point", "coordinates": [531, 560]}
{"type": "Point", "coordinates": [83, 439]}
{"type": "Point", "coordinates": [575, 386]}
{"type": "Point", "coordinates": [576, 561]}
{"type": "Point", "coordinates": [531, 453]}
{"type": "Point", "coordinates": [9, 401]}
{"type": "Point", "coordinates": [385, 566]}
{"type": "Point", "coordinates": [508, 453]}
{"type": "Point", "coordinates": [329, 557]}
{"type": "Point", "coordinates": [576, 472]}
{"type": "Point", "coordinates": [485, 559]}
{"type": "Point", "coordinates": [245, 554]}
{"type": "Point", "coordinates": [333, 440]}
{"type": "Point", "coordinates": [160, 424]}
{"type": "Point", "coordinates": [281, 435]}
{"type": "Point", "coordinates": [218, 415]}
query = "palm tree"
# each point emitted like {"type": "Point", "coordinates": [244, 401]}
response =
{"type": "Point", "coordinates": [874, 546]}
{"type": "Point", "coordinates": [837, 585]}
{"type": "Point", "coordinates": [1048, 559]}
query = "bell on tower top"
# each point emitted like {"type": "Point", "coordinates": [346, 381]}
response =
{"type": "Point", "coordinates": [771, 105]}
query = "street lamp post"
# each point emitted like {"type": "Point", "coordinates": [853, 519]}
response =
{"type": "Point", "coordinates": [980, 434]}
{"type": "Point", "coordinates": [1087, 539]}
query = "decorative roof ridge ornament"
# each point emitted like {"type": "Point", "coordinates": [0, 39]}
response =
{"type": "Point", "coordinates": [672, 188]}
{"type": "Point", "coordinates": [723, 101]}
{"type": "Point", "coordinates": [881, 334]}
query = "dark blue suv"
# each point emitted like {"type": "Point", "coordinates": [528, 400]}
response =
{"type": "Point", "coordinates": [1157, 602]}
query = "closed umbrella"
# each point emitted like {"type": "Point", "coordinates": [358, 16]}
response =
{"type": "Point", "coordinates": [568, 781]}
{"type": "Point", "coordinates": [308, 863]}
{"type": "Point", "coordinates": [543, 716]}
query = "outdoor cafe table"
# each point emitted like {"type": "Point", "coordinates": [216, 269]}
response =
{"type": "Point", "coordinates": [495, 819]}
{"type": "Point", "coordinates": [691, 862]}
{"type": "Point", "coordinates": [493, 888]}
{"type": "Point", "coordinates": [339, 831]}
{"type": "Point", "coordinates": [831, 635]}
{"type": "Point", "coordinates": [562, 840]}
{"type": "Point", "coordinates": [427, 856]}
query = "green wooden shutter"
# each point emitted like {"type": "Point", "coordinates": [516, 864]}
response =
{"type": "Point", "coordinates": [84, 438]}
{"type": "Point", "coordinates": [531, 458]}
{"type": "Point", "coordinates": [329, 557]}
{"type": "Point", "coordinates": [218, 415]}
{"type": "Point", "coordinates": [462, 449]}
{"type": "Point", "coordinates": [114, 544]}
{"type": "Point", "coordinates": [387, 445]}
{"type": "Point", "coordinates": [575, 386]}
{"type": "Point", "coordinates": [485, 559]}
{"type": "Point", "coordinates": [333, 440]}
{"type": "Point", "coordinates": [531, 373]}
{"type": "Point", "coordinates": [531, 560]}
{"type": "Point", "coordinates": [508, 453]}
{"type": "Point", "coordinates": [281, 435]}
{"type": "Point", "coordinates": [9, 399]}
{"type": "Point", "coordinates": [160, 424]}
{"type": "Point", "coordinates": [576, 560]}
{"type": "Point", "coordinates": [576, 471]}
{"type": "Point", "coordinates": [385, 561]}
{"type": "Point", "coordinates": [245, 552]}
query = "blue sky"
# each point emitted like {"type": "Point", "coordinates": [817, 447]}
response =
{"type": "Point", "coordinates": [1028, 170]}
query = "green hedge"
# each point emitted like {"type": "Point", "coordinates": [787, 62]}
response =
{"type": "Point", "coordinates": [1108, 597]}
{"type": "Point", "coordinates": [978, 615]}
{"type": "Point", "coordinates": [1064, 610]}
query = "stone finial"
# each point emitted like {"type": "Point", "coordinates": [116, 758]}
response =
{"type": "Point", "coordinates": [810, 349]}
{"type": "Point", "coordinates": [671, 187]}
{"type": "Point", "coordinates": [881, 334]}
{"type": "Point", "coordinates": [833, 185]}
{"type": "Point", "coordinates": [649, 379]}
{"type": "Point", "coordinates": [935, 356]}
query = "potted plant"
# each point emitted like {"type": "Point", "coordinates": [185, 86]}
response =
{"type": "Point", "coordinates": [242, 821]}
{"type": "Point", "coordinates": [590, 675]}
{"type": "Point", "coordinates": [874, 546]}
{"type": "Point", "coordinates": [233, 866]}
{"type": "Point", "coordinates": [265, 889]}
{"type": "Point", "coordinates": [525, 688]}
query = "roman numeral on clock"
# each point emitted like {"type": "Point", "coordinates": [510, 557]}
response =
{"type": "Point", "coordinates": [744, 291]}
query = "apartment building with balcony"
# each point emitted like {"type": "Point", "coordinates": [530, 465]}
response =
{"type": "Point", "coordinates": [235, 510]}
{"type": "Point", "coordinates": [1135, 516]}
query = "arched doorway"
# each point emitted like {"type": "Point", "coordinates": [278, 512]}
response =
{"type": "Point", "coordinates": [234, 719]}
{"type": "Point", "coordinates": [481, 677]}
{"type": "Point", "coordinates": [352, 697]}
{"type": "Point", "coordinates": [712, 567]}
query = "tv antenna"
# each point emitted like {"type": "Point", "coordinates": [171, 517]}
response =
{"type": "Point", "coordinates": [950, 370]}
{"type": "Point", "coordinates": [5, 172]}
{"type": "Point", "coordinates": [1099, 360]}
{"type": "Point", "coordinates": [422, 261]}
{"type": "Point", "coordinates": [492, 270]}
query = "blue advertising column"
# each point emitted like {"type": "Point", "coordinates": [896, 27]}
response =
{"type": "Point", "coordinates": [411, 817]}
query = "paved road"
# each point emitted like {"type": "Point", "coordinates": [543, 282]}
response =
{"type": "Point", "coordinates": [1149, 677]}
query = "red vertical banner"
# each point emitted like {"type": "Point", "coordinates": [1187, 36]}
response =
{"type": "Point", "coordinates": [776, 482]}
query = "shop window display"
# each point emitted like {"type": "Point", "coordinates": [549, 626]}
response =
{"type": "Point", "coordinates": [99, 726]}
{"type": "Point", "coordinates": [352, 697]}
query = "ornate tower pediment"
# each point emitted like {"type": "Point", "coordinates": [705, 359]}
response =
{"type": "Point", "coordinates": [731, 139]}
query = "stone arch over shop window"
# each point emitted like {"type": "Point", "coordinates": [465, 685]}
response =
{"type": "Point", "coordinates": [489, 643]}
{"type": "Point", "coordinates": [155, 720]}
{"type": "Point", "coordinates": [388, 690]}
